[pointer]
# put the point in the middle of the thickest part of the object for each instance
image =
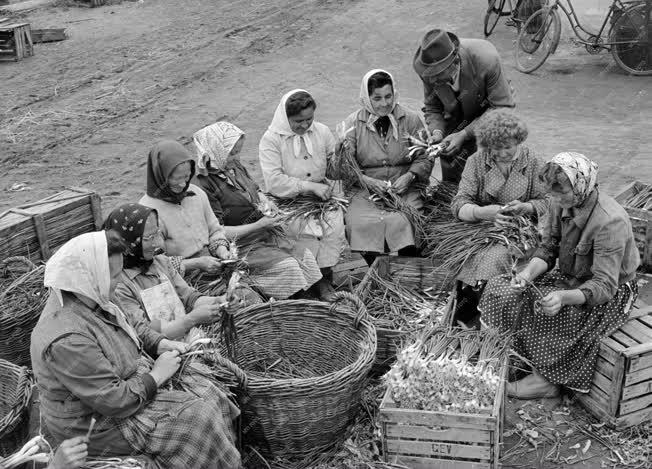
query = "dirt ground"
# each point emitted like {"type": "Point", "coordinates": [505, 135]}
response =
{"type": "Point", "coordinates": [84, 112]}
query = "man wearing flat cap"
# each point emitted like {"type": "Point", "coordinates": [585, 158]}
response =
{"type": "Point", "coordinates": [462, 78]}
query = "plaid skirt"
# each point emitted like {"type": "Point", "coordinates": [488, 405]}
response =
{"type": "Point", "coordinates": [563, 348]}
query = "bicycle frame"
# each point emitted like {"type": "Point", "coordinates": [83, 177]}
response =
{"type": "Point", "coordinates": [591, 39]}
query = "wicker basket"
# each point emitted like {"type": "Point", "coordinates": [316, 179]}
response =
{"type": "Point", "coordinates": [15, 394]}
{"type": "Point", "coordinates": [22, 298]}
{"type": "Point", "coordinates": [296, 417]}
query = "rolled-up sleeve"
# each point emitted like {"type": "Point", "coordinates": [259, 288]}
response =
{"type": "Point", "coordinates": [608, 251]}
{"type": "Point", "coordinates": [81, 366]}
{"type": "Point", "coordinates": [433, 108]}
{"type": "Point", "coordinates": [549, 248]}
{"type": "Point", "coordinates": [271, 163]}
{"type": "Point", "coordinates": [468, 189]}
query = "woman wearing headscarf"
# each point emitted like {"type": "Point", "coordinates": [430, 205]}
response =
{"type": "Point", "coordinates": [150, 288]}
{"type": "Point", "coordinates": [293, 154]}
{"type": "Point", "coordinates": [500, 180]}
{"type": "Point", "coordinates": [275, 269]}
{"type": "Point", "coordinates": [190, 229]}
{"type": "Point", "coordinates": [91, 363]}
{"type": "Point", "coordinates": [559, 318]}
{"type": "Point", "coordinates": [375, 134]}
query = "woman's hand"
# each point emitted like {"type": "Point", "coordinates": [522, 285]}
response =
{"type": "Point", "coordinates": [323, 191]}
{"type": "Point", "coordinates": [209, 264]}
{"type": "Point", "coordinates": [268, 223]}
{"type": "Point", "coordinates": [518, 282]}
{"type": "Point", "coordinates": [165, 366]}
{"type": "Point", "coordinates": [516, 207]}
{"type": "Point", "coordinates": [552, 303]}
{"type": "Point", "coordinates": [375, 185]}
{"type": "Point", "coordinates": [206, 313]}
{"type": "Point", "coordinates": [71, 453]}
{"type": "Point", "coordinates": [167, 345]}
{"type": "Point", "coordinates": [403, 183]}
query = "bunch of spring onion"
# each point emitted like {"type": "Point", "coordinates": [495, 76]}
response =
{"type": "Point", "coordinates": [304, 207]}
{"type": "Point", "coordinates": [112, 463]}
{"type": "Point", "coordinates": [417, 146]}
{"type": "Point", "coordinates": [448, 371]}
{"type": "Point", "coordinates": [35, 450]}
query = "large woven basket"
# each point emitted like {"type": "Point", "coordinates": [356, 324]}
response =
{"type": "Point", "coordinates": [22, 298]}
{"type": "Point", "coordinates": [15, 394]}
{"type": "Point", "coordinates": [296, 417]}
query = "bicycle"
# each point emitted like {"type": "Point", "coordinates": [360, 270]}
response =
{"type": "Point", "coordinates": [496, 10]}
{"type": "Point", "coordinates": [628, 38]}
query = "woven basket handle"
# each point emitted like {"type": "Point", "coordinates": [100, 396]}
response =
{"type": "Point", "coordinates": [357, 303]}
{"type": "Point", "coordinates": [232, 367]}
{"type": "Point", "coordinates": [18, 260]}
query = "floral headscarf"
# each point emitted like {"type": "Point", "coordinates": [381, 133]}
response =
{"type": "Point", "coordinates": [365, 101]}
{"type": "Point", "coordinates": [163, 158]}
{"type": "Point", "coordinates": [129, 221]}
{"type": "Point", "coordinates": [581, 171]}
{"type": "Point", "coordinates": [281, 125]}
{"type": "Point", "coordinates": [214, 144]}
{"type": "Point", "coordinates": [82, 266]}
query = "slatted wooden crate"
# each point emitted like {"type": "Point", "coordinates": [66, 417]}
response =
{"type": "Point", "coordinates": [36, 229]}
{"type": "Point", "coordinates": [350, 273]}
{"type": "Point", "coordinates": [416, 273]}
{"type": "Point", "coordinates": [641, 223]}
{"type": "Point", "coordinates": [15, 41]}
{"type": "Point", "coordinates": [421, 439]}
{"type": "Point", "coordinates": [621, 391]}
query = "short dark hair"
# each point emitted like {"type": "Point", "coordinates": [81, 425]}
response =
{"type": "Point", "coordinates": [553, 176]}
{"type": "Point", "coordinates": [298, 102]}
{"type": "Point", "coordinates": [378, 80]}
{"type": "Point", "coordinates": [115, 244]}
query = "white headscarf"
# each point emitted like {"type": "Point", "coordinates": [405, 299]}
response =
{"type": "Point", "coordinates": [82, 266]}
{"type": "Point", "coordinates": [365, 101]}
{"type": "Point", "coordinates": [581, 171]}
{"type": "Point", "coordinates": [281, 125]}
{"type": "Point", "coordinates": [214, 144]}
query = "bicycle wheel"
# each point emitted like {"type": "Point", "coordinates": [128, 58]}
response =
{"type": "Point", "coordinates": [493, 14]}
{"type": "Point", "coordinates": [633, 49]}
{"type": "Point", "coordinates": [538, 39]}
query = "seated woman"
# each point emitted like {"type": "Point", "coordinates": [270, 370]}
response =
{"type": "Point", "coordinates": [561, 318]}
{"type": "Point", "coordinates": [375, 135]}
{"type": "Point", "coordinates": [500, 180]}
{"type": "Point", "coordinates": [150, 289]}
{"type": "Point", "coordinates": [293, 154]}
{"type": "Point", "coordinates": [90, 362]}
{"type": "Point", "coordinates": [194, 237]}
{"type": "Point", "coordinates": [275, 269]}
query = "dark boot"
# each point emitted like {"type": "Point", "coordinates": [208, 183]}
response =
{"type": "Point", "coordinates": [466, 309]}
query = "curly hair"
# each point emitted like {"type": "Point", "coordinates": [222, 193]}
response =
{"type": "Point", "coordinates": [499, 129]}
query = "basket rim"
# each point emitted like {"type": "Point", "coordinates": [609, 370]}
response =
{"type": "Point", "coordinates": [365, 357]}
{"type": "Point", "coordinates": [8, 422]}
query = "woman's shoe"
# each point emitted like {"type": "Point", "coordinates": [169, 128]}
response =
{"type": "Point", "coordinates": [533, 386]}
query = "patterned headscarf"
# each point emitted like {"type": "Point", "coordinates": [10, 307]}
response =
{"type": "Point", "coordinates": [214, 144]}
{"type": "Point", "coordinates": [365, 101]}
{"type": "Point", "coordinates": [281, 125]}
{"type": "Point", "coordinates": [581, 171]}
{"type": "Point", "coordinates": [163, 158]}
{"type": "Point", "coordinates": [81, 266]}
{"type": "Point", "coordinates": [129, 220]}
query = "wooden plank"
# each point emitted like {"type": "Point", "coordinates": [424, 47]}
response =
{"type": "Point", "coordinates": [596, 409]}
{"type": "Point", "coordinates": [464, 435]}
{"type": "Point", "coordinates": [602, 382]}
{"type": "Point", "coordinates": [647, 320]}
{"type": "Point", "coordinates": [634, 330]}
{"type": "Point", "coordinates": [414, 462]}
{"type": "Point", "coordinates": [607, 352]}
{"type": "Point", "coordinates": [96, 210]}
{"type": "Point", "coordinates": [438, 419]}
{"type": "Point", "coordinates": [48, 35]}
{"type": "Point", "coordinates": [41, 235]}
{"type": "Point", "coordinates": [633, 405]}
{"type": "Point", "coordinates": [638, 350]}
{"type": "Point", "coordinates": [604, 367]}
{"type": "Point", "coordinates": [600, 397]}
{"type": "Point", "coordinates": [630, 392]}
{"type": "Point", "coordinates": [624, 339]}
{"type": "Point", "coordinates": [634, 418]}
{"type": "Point", "coordinates": [616, 390]}
{"type": "Point", "coordinates": [451, 450]}
{"type": "Point", "coordinates": [638, 376]}
{"type": "Point", "coordinates": [640, 312]}
{"type": "Point", "coordinates": [640, 362]}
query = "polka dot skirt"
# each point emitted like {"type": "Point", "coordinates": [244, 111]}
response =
{"type": "Point", "coordinates": [491, 262]}
{"type": "Point", "coordinates": [563, 348]}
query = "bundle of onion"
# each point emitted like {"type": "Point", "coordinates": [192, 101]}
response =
{"type": "Point", "coordinates": [35, 450]}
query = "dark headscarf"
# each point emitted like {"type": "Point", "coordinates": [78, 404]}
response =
{"type": "Point", "coordinates": [129, 220]}
{"type": "Point", "coordinates": [163, 158]}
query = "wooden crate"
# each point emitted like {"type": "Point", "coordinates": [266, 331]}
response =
{"type": "Point", "coordinates": [413, 272]}
{"type": "Point", "coordinates": [15, 41]}
{"type": "Point", "coordinates": [641, 223]}
{"type": "Point", "coordinates": [350, 273]}
{"type": "Point", "coordinates": [36, 229]}
{"type": "Point", "coordinates": [621, 391]}
{"type": "Point", "coordinates": [422, 439]}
